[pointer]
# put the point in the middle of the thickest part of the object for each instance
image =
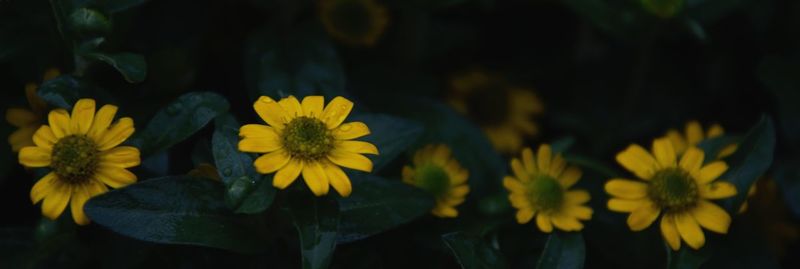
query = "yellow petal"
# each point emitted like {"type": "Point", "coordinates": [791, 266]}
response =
{"type": "Point", "coordinates": [625, 205]}
{"type": "Point", "coordinates": [627, 189]}
{"type": "Point", "coordinates": [694, 133]}
{"type": "Point", "coordinates": [350, 160]}
{"type": "Point", "coordinates": [727, 151]}
{"type": "Point", "coordinates": [358, 147]}
{"type": "Point", "coordinates": [51, 73]}
{"type": "Point", "coordinates": [528, 161]}
{"type": "Point", "coordinates": [459, 192]}
{"type": "Point", "coordinates": [338, 179]}
{"type": "Point", "coordinates": [643, 216]}
{"type": "Point", "coordinates": [44, 137]}
{"type": "Point", "coordinates": [34, 157]}
{"type": "Point", "coordinates": [715, 130]}
{"type": "Point", "coordinates": [444, 212]}
{"type": "Point", "coordinates": [677, 141]}
{"type": "Point", "coordinates": [711, 216]}
{"type": "Point", "coordinates": [690, 231]}
{"type": "Point", "coordinates": [566, 223]}
{"type": "Point", "coordinates": [513, 185]}
{"type": "Point", "coordinates": [543, 157]}
{"type": "Point", "coordinates": [669, 232]}
{"type": "Point", "coordinates": [260, 138]}
{"type": "Point", "coordinates": [43, 187]}
{"type": "Point", "coordinates": [271, 112]}
{"type": "Point", "coordinates": [123, 157]}
{"type": "Point", "coordinates": [664, 152]}
{"type": "Point", "coordinates": [102, 120]}
{"type": "Point", "coordinates": [315, 178]}
{"type": "Point", "coordinates": [36, 102]}
{"type": "Point", "coordinates": [524, 215]}
{"type": "Point", "coordinates": [557, 166]}
{"type": "Point", "coordinates": [21, 117]}
{"type": "Point", "coordinates": [441, 154]}
{"type": "Point", "coordinates": [711, 171]}
{"type": "Point", "coordinates": [292, 106]}
{"type": "Point", "coordinates": [717, 190]}
{"type": "Point", "coordinates": [692, 160]}
{"type": "Point", "coordinates": [117, 134]}
{"type": "Point", "coordinates": [638, 161]}
{"type": "Point", "coordinates": [59, 122]}
{"type": "Point", "coordinates": [519, 200]}
{"type": "Point", "coordinates": [577, 197]}
{"type": "Point", "coordinates": [56, 201]}
{"type": "Point", "coordinates": [82, 116]}
{"type": "Point", "coordinates": [113, 176]}
{"type": "Point", "coordinates": [519, 170]}
{"type": "Point", "coordinates": [79, 197]}
{"type": "Point", "coordinates": [579, 212]}
{"type": "Point", "coordinates": [312, 106]}
{"type": "Point", "coordinates": [23, 137]}
{"type": "Point", "coordinates": [351, 130]}
{"type": "Point", "coordinates": [408, 175]}
{"type": "Point", "coordinates": [271, 162]}
{"type": "Point", "coordinates": [543, 222]}
{"type": "Point", "coordinates": [336, 111]}
{"type": "Point", "coordinates": [570, 176]}
{"type": "Point", "coordinates": [286, 175]}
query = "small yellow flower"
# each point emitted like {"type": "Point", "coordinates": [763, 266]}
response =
{"type": "Point", "coordinates": [305, 138]}
{"type": "Point", "coordinates": [206, 170]}
{"type": "Point", "coordinates": [504, 112]}
{"type": "Point", "coordinates": [83, 151]}
{"type": "Point", "coordinates": [437, 172]}
{"type": "Point", "coordinates": [28, 120]}
{"type": "Point", "coordinates": [681, 190]}
{"type": "Point", "coordinates": [692, 136]}
{"type": "Point", "coordinates": [354, 22]}
{"type": "Point", "coordinates": [540, 188]}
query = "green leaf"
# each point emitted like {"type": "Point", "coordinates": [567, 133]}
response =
{"type": "Point", "coordinates": [391, 135]}
{"type": "Point", "coordinates": [179, 120]}
{"type": "Point", "coordinates": [66, 90]}
{"type": "Point", "coordinates": [713, 146]}
{"type": "Point", "coordinates": [89, 22]}
{"type": "Point", "coordinates": [563, 251]}
{"type": "Point", "coordinates": [787, 176]}
{"type": "Point", "coordinates": [473, 253]}
{"type": "Point", "coordinates": [177, 210]}
{"type": "Point", "coordinates": [377, 205]}
{"type": "Point", "coordinates": [243, 183]}
{"type": "Point", "coordinates": [132, 66]}
{"type": "Point", "coordinates": [114, 6]}
{"type": "Point", "coordinates": [686, 258]}
{"type": "Point", "coordinates": [317, 221]}
{"type": "Point", "coordinates": [296, 62]}
{"type": "Point", "coordinates": [751, 160]}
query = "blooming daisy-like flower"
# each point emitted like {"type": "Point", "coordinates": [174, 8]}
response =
{"type": "Point", "coordinates": [540, 188]}
{"type": "Point", "coordinates": [354, 22]}
{"type": "Point", "coordinates": [305, 138]}
{"type": "Point", "coordinates": [28, 120]}
{"type": "Point", "coordinates": [437, 172]}
{"type": "Point", "coordinates": [692, 136]}
{"type": "Point", "coordinates": [83, 151]}
{"type": "Point", "coordinates": [504, 112]}
{"type": "Point", "coordinates": [677, 190]}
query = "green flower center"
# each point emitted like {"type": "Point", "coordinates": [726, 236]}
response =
{"type": "Point", "coordinates": [673, 189]}
{"type": "Point", "coordinates": [351, 17]}
{"type": "Point", "coordinates": [307, 138]}
{"type": "Point", "coordinates": [75, 159]}
{"type": "Point", "coordinates": [432, 178]}
{"type": "Point", "coordinates": [489, 104]}
{"type": "Point", "coordinates": [545, 193]}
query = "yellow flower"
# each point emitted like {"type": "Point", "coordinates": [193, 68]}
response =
{"type": "Point", "coordinates": [692, 136]}
{"type": "Point", "coordinates": [540, 188]}
{"type": "Point", "coordinates": [437, 172]}
{"type": "Point", "coordinates": [304, 138]}
{"type": "Point", "coordinates": [28, 120]}
{"type": "Point", "coordinates": [354, 22]}
{"type": "Point", "coordinates": [83, 151]}
{"type": "Point", "coordinates": [504, 112]}
{"type": "Point", "coordinates": [681, 190]}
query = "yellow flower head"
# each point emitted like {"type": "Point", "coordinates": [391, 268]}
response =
{"type": "Point", "coordinates": [305, 138]}
{"type": "Point", "coordinates": [437, 172]}
{"type": "Point", "coordinates": [504, 112]}
{"type": "Point", "coordinates": [28, 120]}
{"type": "Point", "coordinates": [354, 22]}
{"type": "Point", "coordinates": [680, 189]}
{"type": "Point", "coordinates": [692, 136]}
{"type": "Point", "coordinates": [83, 151]}
{"type": "Point", "coordinates": [540, 188]}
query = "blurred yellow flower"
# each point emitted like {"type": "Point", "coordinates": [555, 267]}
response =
{"type": "Point", "coordinates": [305, 138]}
{"type": "Point", "coordinates": [354, 22]}
{"type": "Point", "coordinates": [437, 172]}
{"type": "Point", "coordinates": [540, 187]}
{"type": "Point", "coordinates": [205, 170]}
{"type": "Point", "coordinates": [83, 151]}
{"type": "Point", "coordinates": [504, 112]}
{"type": "Point", "coordinates": [692, 136]}
{"type": "Point", "coordinates": [28, 120]}
{"type": "Point", "coordinates": [681, 190]}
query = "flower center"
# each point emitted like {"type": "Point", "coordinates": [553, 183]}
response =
{"type": "Point", "coordinates": [432, 178]}
{"type": "Point", "coordinates": [488, 105]}
{"type": "Point", "coordinates": [545, 193]}
{"type": "Point", "coordinates": [351, 17]}
{"type": "Point", "coordinates": [673, 189]}
{"type": "Point", "coordinates": [75, 159]}
{"type": "Point", "coordinates": [307, 138]}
